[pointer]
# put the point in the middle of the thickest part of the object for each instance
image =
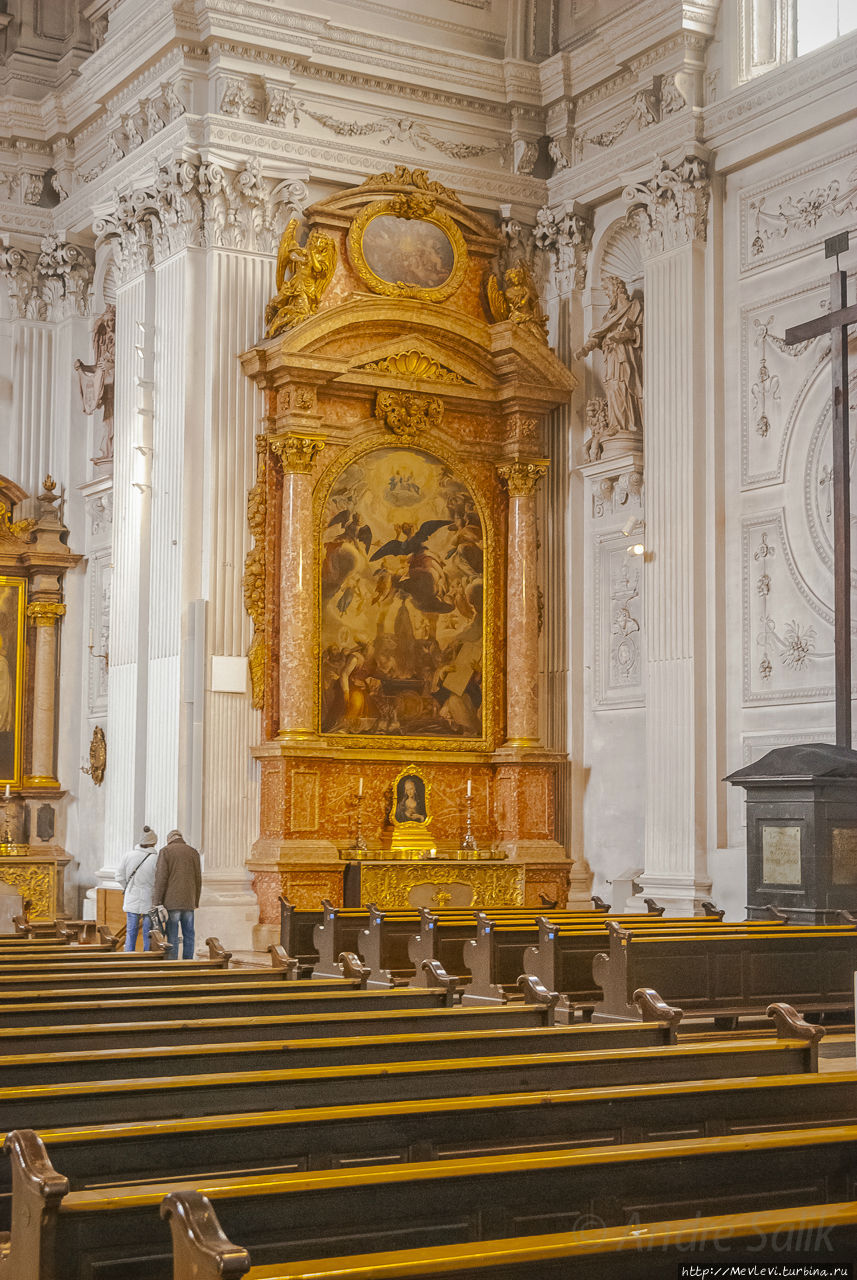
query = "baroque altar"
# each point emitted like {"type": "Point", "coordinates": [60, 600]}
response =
{"type": "Point", "coordinates": [393, 581]}
{"type": "Point", "coordinates": [34, 559]}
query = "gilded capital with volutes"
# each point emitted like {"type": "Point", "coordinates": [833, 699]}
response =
{"type": "Point", "coordinates": [296, 453]}
{"type": "Point", "coordinates": [522, 476]}
{"type": "Point", "coordinates": [45, 613]}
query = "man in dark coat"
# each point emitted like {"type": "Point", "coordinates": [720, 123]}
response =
{"type": "Point", "coordinates": [178, 881]}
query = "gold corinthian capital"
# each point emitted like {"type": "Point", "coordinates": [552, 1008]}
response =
{"type": "Point", "coordinates": [521, 477]}
{"type": "Point", "coordinates": [45, 613]}
{"type": "Point", "coordinates": [296, 453]}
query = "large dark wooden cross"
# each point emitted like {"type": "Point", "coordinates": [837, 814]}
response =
{"type": "Point", "coordinates": [836, 323]}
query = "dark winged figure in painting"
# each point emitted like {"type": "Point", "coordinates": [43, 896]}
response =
{"type": "Point", "coordinates": [352, 529]}
{"type": "Point", "coordinates": [426, 577]}
{"type": "Point", "coordinates": [342, 554]}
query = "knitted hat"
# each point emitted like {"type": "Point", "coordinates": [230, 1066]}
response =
{"type": "Point", "coordinates": [173, 835]}
{"type": "Point", "coordinates": [148, 838]}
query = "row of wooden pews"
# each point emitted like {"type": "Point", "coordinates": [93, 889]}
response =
{"type": "Point", "coordinates": [323, 1127]}
{"type": "Point", "coordinates": [595, 962]}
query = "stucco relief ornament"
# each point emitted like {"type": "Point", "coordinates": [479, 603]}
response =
{"type": "Point", "coordinates": [517, 299]}
{"type": "Point", "coordinates": [311, 270]}
{"type": "Point", "coordinates": [671, 208]}
{"type": "Point", "coordinates": [408, 414]}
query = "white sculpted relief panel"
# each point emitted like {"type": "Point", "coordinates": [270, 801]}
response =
{"type": "Point", "coordinates": [100, 589]}
{"type": "Point", "coordinates": [618, 623]}
{"type": "Point", "coordinates": [780, 218]}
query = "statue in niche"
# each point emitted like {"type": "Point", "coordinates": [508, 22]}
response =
{"type": "Point", "coordinates": [620, 339]}
{"type": "Point", "coordinates": [311, 268]}
{"type": "Point", "coordinates": [95, 381]}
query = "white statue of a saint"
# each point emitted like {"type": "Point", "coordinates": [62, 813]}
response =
{"type": "Point", "coordinates": [95, 381]}
{"type": "Point", "coordinates": [620, 338]}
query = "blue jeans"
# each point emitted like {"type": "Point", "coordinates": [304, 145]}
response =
{"type": "Point", "coordinates": [132, 928]}
{"type": "Point", "coordinates": [185, 919]}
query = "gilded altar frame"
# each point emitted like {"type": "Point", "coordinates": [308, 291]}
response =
{"type": "Point", "coordinates": [492, 609]}
{"type": "Point", "coordinates": [409, 212]}
{"type": "Point", "coordinates": [19, 586]}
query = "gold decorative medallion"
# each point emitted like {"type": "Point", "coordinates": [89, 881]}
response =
{"type": "Point", "coordinates": [97, 756]}
{"type": "Point", "coordinates": [406, 247]}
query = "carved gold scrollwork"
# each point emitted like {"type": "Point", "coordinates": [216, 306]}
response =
{"type": "Point", "coordinates": [491, 887]}
{"type": "Point", "coordinates": [97, 756]}
{"type": "Point", "coordinates": [254, 573]}
{"type": "Point", "coordinates": [10, 528]}
{"type": "Point", "coordinates": [36, 882]}
{"type": "Point", "coordinates": [413, 364]}
{"type": "Point", "coordinates": [521, 477]}
{"type": "Point", "coordinates": [311, 268]}
{"type": "Point", "coordinates": [45, 613]}
{"type": "Point", "coordinates": [296, 453]}
{"type": "Point", "coordinates": [408, 414]}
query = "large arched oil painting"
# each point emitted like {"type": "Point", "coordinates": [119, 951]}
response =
{"type": "Point", "coordinates": [401, 600]}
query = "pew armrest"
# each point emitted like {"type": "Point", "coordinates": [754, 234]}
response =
{"type": "Point", "coordinates": [200, 1249]}
{"type": "Point", "coordinates": [535, 992]}
{"type": "Point", "coordinates": [216, 951]}
{"type": "Point", "coordinates": [436, 976]}
{"type": "Point", "coordinates": [157, 941]}
{"type": "Point", "coordinates": [654, 1009]}
{"type": "Point", "coordinates": [712, 911]}
{"type": "Point", "coordinates": [599, 904]}
{"type": "Point", "coordinates": [280, 959]}
{"type": "Point", "coordinates": [790, 1025]}
{"type": "Point", "coordinates": [353, 967]}
{"type": "Point", "coordinates": [37, 1193]}
{"type": "Point", "coordinates": [105, 935]}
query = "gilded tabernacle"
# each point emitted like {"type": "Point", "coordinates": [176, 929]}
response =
{"type": "Point", "coordinates": [402, 600]}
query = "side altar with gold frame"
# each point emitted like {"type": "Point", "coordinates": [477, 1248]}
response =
{"type": "Point", "coordinates": [34, 559]}
{"type": "Point", "coordinates": [393, 578]}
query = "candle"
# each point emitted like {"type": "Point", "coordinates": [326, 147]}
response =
{"type": "Point", "coordinates": [7, 791]}
{"type": "Point", "coordinates": [469, 784]}
{"type": "Point", "coordinates": [91, 637]}
{"type": "Point", "coordinates": [360, 788]}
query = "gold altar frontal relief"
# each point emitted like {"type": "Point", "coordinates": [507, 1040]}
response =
{"type": "Point", "coordinates": [439, 884]}
{"type": "Point", "coordinates": [39, 879]}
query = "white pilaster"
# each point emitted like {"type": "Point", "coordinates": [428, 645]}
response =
{"type": "Point", "coordinates": [669, 213]}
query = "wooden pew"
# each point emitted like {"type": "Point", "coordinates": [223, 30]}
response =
{"type": "Point", "coordinates": [336, 1137]}
{"type": "Point", "coordinates": [296, 934]}
{"type": "Point", "coordinates": [61, 1038]}
{"type": "Point", "coordinates": [498, 952]}
{"type": "Point", "coordinates": [157, 984]}
{"type": "Point", "coordinates": [441, 945]}
{"type": "Point", "coordinates": [728, 975]}
{"type": "Point", "coordinates": [188, 1004]}
{"type": "Point", "coordinates": [41, 1106]}
{"type": "Point", "coordinates": [111, 1232]}
{"type": "Point", "coordinates": [27, 1068]}
{"type": "Point", "coordinates": [822, 1232]}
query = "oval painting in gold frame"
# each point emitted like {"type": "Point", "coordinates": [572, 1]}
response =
{"type": "Point", "coordinates": [401, 255]}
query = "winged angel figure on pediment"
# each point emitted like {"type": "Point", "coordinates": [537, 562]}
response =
{"type": "Point", "coordinates": [311, 267]}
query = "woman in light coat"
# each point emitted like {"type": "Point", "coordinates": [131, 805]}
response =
{"type": "Point", "coordinates": [136, 875]}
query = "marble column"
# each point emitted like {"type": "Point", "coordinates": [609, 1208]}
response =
{"type": "Point", "coordinates": [297, 586]}
{"type": "Point", "coordinates": [522, 605]}
{"type": "Point", "coordinates": [45, 615]}
{"type": "Point", "coordinates": [669, 213]}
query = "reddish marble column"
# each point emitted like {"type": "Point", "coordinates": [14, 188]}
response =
{"type": "Point", "coordinates": [297, 586]}
{"type": "Point", "coordinates": [522, 606]}
{"type": "Point", "coordinates": [45, 614]}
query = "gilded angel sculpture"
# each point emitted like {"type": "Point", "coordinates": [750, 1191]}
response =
{"type": "Point", "coordinates": [517, 299]}
{"type": "Point", "coordinates": [311, 268]}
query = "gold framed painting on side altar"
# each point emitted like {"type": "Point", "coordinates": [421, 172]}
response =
{"type": "Point", "coordinates": [410, 814]}
{"type": "Point", "coordinates": [407, 248]}
{"type": "Point", "coordinates": [13, 610]}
